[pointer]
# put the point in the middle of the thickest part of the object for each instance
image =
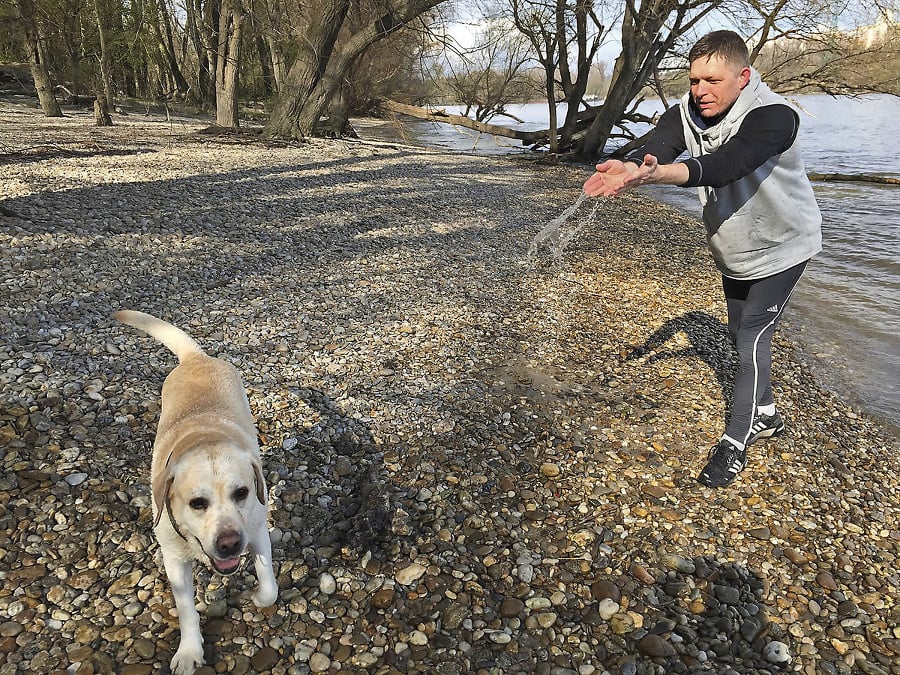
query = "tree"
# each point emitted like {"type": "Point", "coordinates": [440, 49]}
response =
{"type": "Point", "coordinates": [201, 26]}
{"type": "Point", "coordinates": [490, 74]}
{"type": "Point", "coordinates": [553, 29]}
{"type": "Point", "coordinates": [785, 34]}
{"type": "Point", "coordinates": [228, 60]}
{"type": "Point", "coordinates": [796, 51]}
{"type": "Point", "coordinates": [106, 83]}
{"type": "Point", "coordinates": [650, 31]}
{"type": "Point", "coordinates": [36, 56]}
{"type": "Point", "coordinates": [321, 65]}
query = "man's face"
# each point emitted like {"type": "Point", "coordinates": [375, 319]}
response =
{"type": "Point", "coordinates": [716, 84]}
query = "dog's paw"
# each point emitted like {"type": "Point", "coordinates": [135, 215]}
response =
{"type": "Point", "coordinates": [265, 595]}
{"type": "Point", "coordinates": [187, 659]}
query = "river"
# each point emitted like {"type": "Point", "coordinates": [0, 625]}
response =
{"type": "Point", "coordinates": [846, 309]}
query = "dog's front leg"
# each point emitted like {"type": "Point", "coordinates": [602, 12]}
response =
{"type": "Point", "coordinates": [261, 548]}
{"type": "Point", "coordinates": [189, 656]}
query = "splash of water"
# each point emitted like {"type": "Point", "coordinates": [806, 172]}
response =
{"type": "Point", "coordinates": [559, 233]}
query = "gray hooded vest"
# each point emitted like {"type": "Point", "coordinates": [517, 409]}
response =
{"type": "Point", "coordinates": [763, 223]}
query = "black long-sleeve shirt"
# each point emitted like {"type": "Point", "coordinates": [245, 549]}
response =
{"type": "Point", "coordinates": [765, 132]}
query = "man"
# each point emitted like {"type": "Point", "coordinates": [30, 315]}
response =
{"type": "Point", "coordinates": [761, 217]}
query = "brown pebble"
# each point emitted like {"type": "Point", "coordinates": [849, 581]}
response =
{"type": "Point", "coordinates": [654, 646]}
{"type": "Point", "coordinates": [265, 659]}
{"type": "Point", "coordinates": [383, 598]}
{"type": "Point", "coordinates": [603, 589]}
{"type": "Point", "coordinates": [137, 669]}
{"type": "Point", "coordinates": [762, 533]}
{"type": "Point", "coordinates": [511, 607]}
{"type": "Point", "coordinates": [641, 575]}
{"type": "Point", "coordinates": [654, 491]}
{"type": "Point", "coordinates": [795, 557]}
{"type": "Point", "coordinates": [825, 580]}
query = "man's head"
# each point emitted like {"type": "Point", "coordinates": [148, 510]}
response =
{"type": "Point", "coordinates": [719, 70]}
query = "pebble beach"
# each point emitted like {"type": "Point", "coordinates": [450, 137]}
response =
{"type": "Point", "coordinates": [479, 460]}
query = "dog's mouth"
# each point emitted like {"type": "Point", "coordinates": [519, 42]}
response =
{"type": "Point", "coordinates": [225, 566]}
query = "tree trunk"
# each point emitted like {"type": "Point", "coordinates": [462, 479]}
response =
{"type": "Point", "coordinates": [39, 72]}
{"type": "Point", "coordinates": [278, 68]}
{"type": "Point", "coordinates": [853, 178]}
{"type": "Point", "coordinates": [105, 74]}
{"type": "Point", "coordinates": [228, 64]}
{"type": "Point", "coordinates": [551, 109]}
{"type": "Point", "coordinates": [265, 66]}
{"type": "Point", "coordinates": [527, 137]}
{"type": "Point", "coordinates": [167, 45]}
{"type": "Point", "coordinates": [297, 114]}
{"type": "Point", "coordinates": [101, 111]}
{"type": "Point", "coordinates": [199, 35]}
{"type": "Point", "coordinates": [305, 73]}
{"type": "Point", "coordinates": [574, 89]}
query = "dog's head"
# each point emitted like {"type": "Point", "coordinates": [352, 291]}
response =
{"type": "Point", "coordinates": [212, 494]}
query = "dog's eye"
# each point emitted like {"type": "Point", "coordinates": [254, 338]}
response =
{"type": "Point", "coordinates": [199, 504]}
{"type": "Point", "coordinates": [241, 494]}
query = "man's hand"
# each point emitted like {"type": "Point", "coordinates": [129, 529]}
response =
{"type": "Point", "coordinates": [614, 177]}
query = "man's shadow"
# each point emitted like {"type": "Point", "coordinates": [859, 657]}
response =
{"type": "Point", "coordinates": [709, 340]}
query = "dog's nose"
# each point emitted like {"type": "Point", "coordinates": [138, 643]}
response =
{"type": "Point", "coordinates": [228, 544]}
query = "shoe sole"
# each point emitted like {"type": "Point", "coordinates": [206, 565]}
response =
{"type": "Point", "coordinates": [766, 433]}
{"type": "Point", "coordinates": [703, 482]}
{"type": "Point", "coordinates": [720, 485]}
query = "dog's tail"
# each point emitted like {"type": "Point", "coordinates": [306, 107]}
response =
{"type": "Point", "coordinates": [181, 344]}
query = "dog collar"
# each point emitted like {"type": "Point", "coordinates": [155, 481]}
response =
{"type": "Point", "coordinates": [175, 527]}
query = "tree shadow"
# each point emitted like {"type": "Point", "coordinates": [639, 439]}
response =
{"type": "Point", "coordinates": [709, 340]}
{"type": "Point", "coordinates": [76, 150]}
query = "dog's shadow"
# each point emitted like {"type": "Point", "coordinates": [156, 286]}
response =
{"type": "Point", "coordinates": [709, 340]}
{"type": "Point", "coordinates": [332, 489]}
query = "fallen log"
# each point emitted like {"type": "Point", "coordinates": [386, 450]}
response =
{"type": "Point", "coordinates": [432, 115]}
{"type": "Point", "coordinates": [854, 177]}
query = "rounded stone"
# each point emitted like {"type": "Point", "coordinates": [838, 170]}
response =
{"type": "Point", "coordinates": [319, 662]}
{"type": "Point", "coordinates": [777, 652]}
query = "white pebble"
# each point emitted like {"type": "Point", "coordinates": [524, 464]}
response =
{"type": "Point", "coordinates": [319, 663]}
{"type": "Point", "coordinates": [525, 572]}
{"type": "Point", "coordinates": [409, 574]}
{"type": "Point", "coordinates": [327, 584]}
{"type": "Point", "coordinates": [777, 652]}
{"type": "Point", "coordinates": [418, 638]}
{"type": "Point", "coordinates": [608, 608]}
{"type": "Point", "coordinates": [499, 637]}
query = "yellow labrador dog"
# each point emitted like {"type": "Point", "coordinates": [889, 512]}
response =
{"type": "Point", "coordinates": [209, 494]}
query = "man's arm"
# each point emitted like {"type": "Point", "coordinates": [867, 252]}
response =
{"type": "Point", "coordinates": [665, 144]}
{"type": "Point", "coordinates": [764, 133]}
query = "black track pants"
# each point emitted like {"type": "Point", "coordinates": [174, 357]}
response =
{"type": "Point", "coordinates": [754, 310]}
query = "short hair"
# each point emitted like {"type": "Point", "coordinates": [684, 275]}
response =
{"type": "Point", "coordinates": [725, 44]}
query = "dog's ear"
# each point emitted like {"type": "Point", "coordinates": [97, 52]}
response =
{"type": "Point", "coordinates": [161, 487]}
{"type": "Point", "coordinates": [260, 482]}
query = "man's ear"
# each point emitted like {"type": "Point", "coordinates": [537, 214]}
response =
{"type": "Point", "coordinates": [744, 77]}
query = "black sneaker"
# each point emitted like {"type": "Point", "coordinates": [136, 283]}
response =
{"type": "Point", "coordinates": [766, 426]}
{"type": "Point", "coordinates": [725, 463]}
